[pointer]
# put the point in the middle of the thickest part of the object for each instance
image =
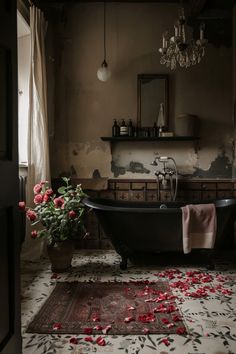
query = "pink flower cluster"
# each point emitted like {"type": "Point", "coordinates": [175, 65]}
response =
{"type": "Point", "coordinates": [48, 208]}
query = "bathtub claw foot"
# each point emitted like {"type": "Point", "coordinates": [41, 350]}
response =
{"type": "Point", "coordinates": [123, 263]}
{"type": "Point", "coordinates": [210, 266]}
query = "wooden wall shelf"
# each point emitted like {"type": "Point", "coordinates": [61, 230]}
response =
{"type": "Point", "coordinates": [114, 139]}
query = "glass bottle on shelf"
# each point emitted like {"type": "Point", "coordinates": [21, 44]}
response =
{"type": "Point", "coordinates": [115, 128]}
{"type": "Point", "coordinates": [130, 128]}
{"type": "Point", "coordinates": [155, 130]}
{"type": "Point", "coordinates": [123, 128]}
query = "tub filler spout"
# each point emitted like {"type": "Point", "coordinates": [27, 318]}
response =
{"type": "Point", "coordinates": [167, 176]}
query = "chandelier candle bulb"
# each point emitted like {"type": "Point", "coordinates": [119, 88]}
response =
{"type": "Point", "coordinates": [179, 49]}
{"type": "Point", "coordinates": [176, 31]}
{"type": "Point", "coordinates": [202, 32]}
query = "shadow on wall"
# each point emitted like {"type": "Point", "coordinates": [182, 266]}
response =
{"type": "Point", "coordinates": [133, 167]}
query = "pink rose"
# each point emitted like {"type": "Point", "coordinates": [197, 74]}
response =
{"type": "Point", "coordinates": [22, 205]}
{"type": "Point", "coordinates": [31, 215]}
{"type": "Point", "coordinates": [72, 214]}
{"type": "Point", "coordinates": [59, 202]}
{"type": "Point", "coordinates": [37, 188]}
{"type": "Point", "coordinates": [34, 234]}
{"type": "Point", "coordinates": [45, 198]}
{"type": "Point", "coordinates": [38, 199]}
{"type": "Point", "coordinates": [49, 192]}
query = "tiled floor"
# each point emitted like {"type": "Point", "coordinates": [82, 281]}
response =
{"type": "Point", "coordinates": [211, 319]}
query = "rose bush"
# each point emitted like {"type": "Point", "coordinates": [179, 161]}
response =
{"type": "Point", "coordinates": [60, 216]}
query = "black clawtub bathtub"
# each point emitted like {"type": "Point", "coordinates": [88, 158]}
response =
{"type": "Point", "coordinates": [154, 227]}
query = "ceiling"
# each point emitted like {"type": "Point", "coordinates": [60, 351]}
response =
{"type": "Point", "coordinates": [216, 14]}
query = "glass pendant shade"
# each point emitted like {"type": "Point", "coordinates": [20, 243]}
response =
{"type": "Point", "coordinates": [103, 72]}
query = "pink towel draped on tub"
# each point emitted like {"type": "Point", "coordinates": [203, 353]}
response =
{"type": "Point", "coordinates": [199, 226]}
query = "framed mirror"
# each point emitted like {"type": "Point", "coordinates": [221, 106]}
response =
{"type": "Point", "coordinates": [152, 93]}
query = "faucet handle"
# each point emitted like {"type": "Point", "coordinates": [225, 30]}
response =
{"type": "Point", "coordinates": [154, 163]}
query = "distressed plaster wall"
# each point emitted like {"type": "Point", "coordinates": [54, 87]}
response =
{"type": "Point", "coordinates": [85, 107]}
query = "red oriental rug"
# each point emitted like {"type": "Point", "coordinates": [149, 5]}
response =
{"type": "Point", "coordinates": [109, 307]}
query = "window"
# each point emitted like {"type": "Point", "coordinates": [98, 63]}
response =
{"type": "Point", "coordinates": [23, 34]}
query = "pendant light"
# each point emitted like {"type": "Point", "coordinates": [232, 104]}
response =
{"type": "Point", "coordinates": [103, 72]}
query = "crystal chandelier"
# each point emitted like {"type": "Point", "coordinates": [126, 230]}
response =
{"type": "Point", "coordinates": [180, 50]}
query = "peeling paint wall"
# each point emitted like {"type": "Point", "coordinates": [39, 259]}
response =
{"type": "Point", "coordinates": [85, 107]}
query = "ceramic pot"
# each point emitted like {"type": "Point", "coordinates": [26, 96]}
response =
{"type": "Point", "coordinates": [60, 255]}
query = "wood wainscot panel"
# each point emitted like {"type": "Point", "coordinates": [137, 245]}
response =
{"type": "Point", "coordinates": [107, 194]}
{"type": "Point", "coordinates": [165, 196]}
{"type": "Point", "coordinates": [207, 195]}
{"type": "Point", "coordinates": [151, 196]}
{"type": "Point", "coordinates": [224, 194]}
{"type": "Point", "coordinates": [137, 196]}
{"type": "Point", "coordinates": [225, 186]}
{"type": "Point", "coordinates": [138, 185]}
{"type": "Point", "coordinates": [152, 185]}
{"type": "Point", "coordinates": [208, 186]}
{"type": "Point", "coordinates": [123, 185]}
{"type": "Point", "coordinates": [122, 195]}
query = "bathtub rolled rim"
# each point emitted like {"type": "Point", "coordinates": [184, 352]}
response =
{"type": "Point", "coordinates": [147, 207]}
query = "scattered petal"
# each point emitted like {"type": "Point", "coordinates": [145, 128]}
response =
{"type": "Point", "coordinates": [176, 318]}
{"type": "Point", "coordinates": [170, 325]}
{"type": "Point", "coordinates": [74, 340]}
{"type": "Point", "coordinates": [57, 326]}
{"type": "Point", "coordinates": [88, 330]}
{"type": "Point", "coordinates": [88, 339]}
{"type": "Point", "coordinates": [165, 320]}
{"type": "Point", "coordinates": [180, 330]}
{"type": "Point", "coordinates": [106, 329]}
{"type": "Point", "coordinates": [146, 318]}
{"type": "Point", "coordinates": [145, 331]}
{"type": "Point", "coordinates": [95, 318]}
{"type": "Point", "coordinates": [101, 341]}
{"type": "Point", "coordinates": [98, 328]}
{"type": "Point", "coordinates": [165, 341]}
{"type": "Point", "coordinates": [129, 319]}
{"type": "Point", "coordinates": [131, 308]}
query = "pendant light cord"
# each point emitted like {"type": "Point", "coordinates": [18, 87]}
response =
{"type": "Point", "coordinates": [104, 30]}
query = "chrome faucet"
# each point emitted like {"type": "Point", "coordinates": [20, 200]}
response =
{"type": "Point", "coordinates": [166, 174]}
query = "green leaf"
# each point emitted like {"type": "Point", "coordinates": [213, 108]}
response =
{"type": "Point", "coordinates": [65, 179]}
{"type": "Point", "coordinates": [61, 190]}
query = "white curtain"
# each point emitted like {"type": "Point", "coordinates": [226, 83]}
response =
{"type": "Point", "coordinates": [38, 140]}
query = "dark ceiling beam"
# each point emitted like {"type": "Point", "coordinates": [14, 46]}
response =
{"type": "Point", "coordinates": [196, 7]}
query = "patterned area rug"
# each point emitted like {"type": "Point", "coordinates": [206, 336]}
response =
{"type": "Point", "coordinates": [135, 307]}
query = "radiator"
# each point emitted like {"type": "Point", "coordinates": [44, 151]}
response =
{"type": "Point", "coordinates": [22, 197]}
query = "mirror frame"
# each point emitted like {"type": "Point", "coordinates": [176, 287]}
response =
{"type": "Point", "coordinates": [140, 79]}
